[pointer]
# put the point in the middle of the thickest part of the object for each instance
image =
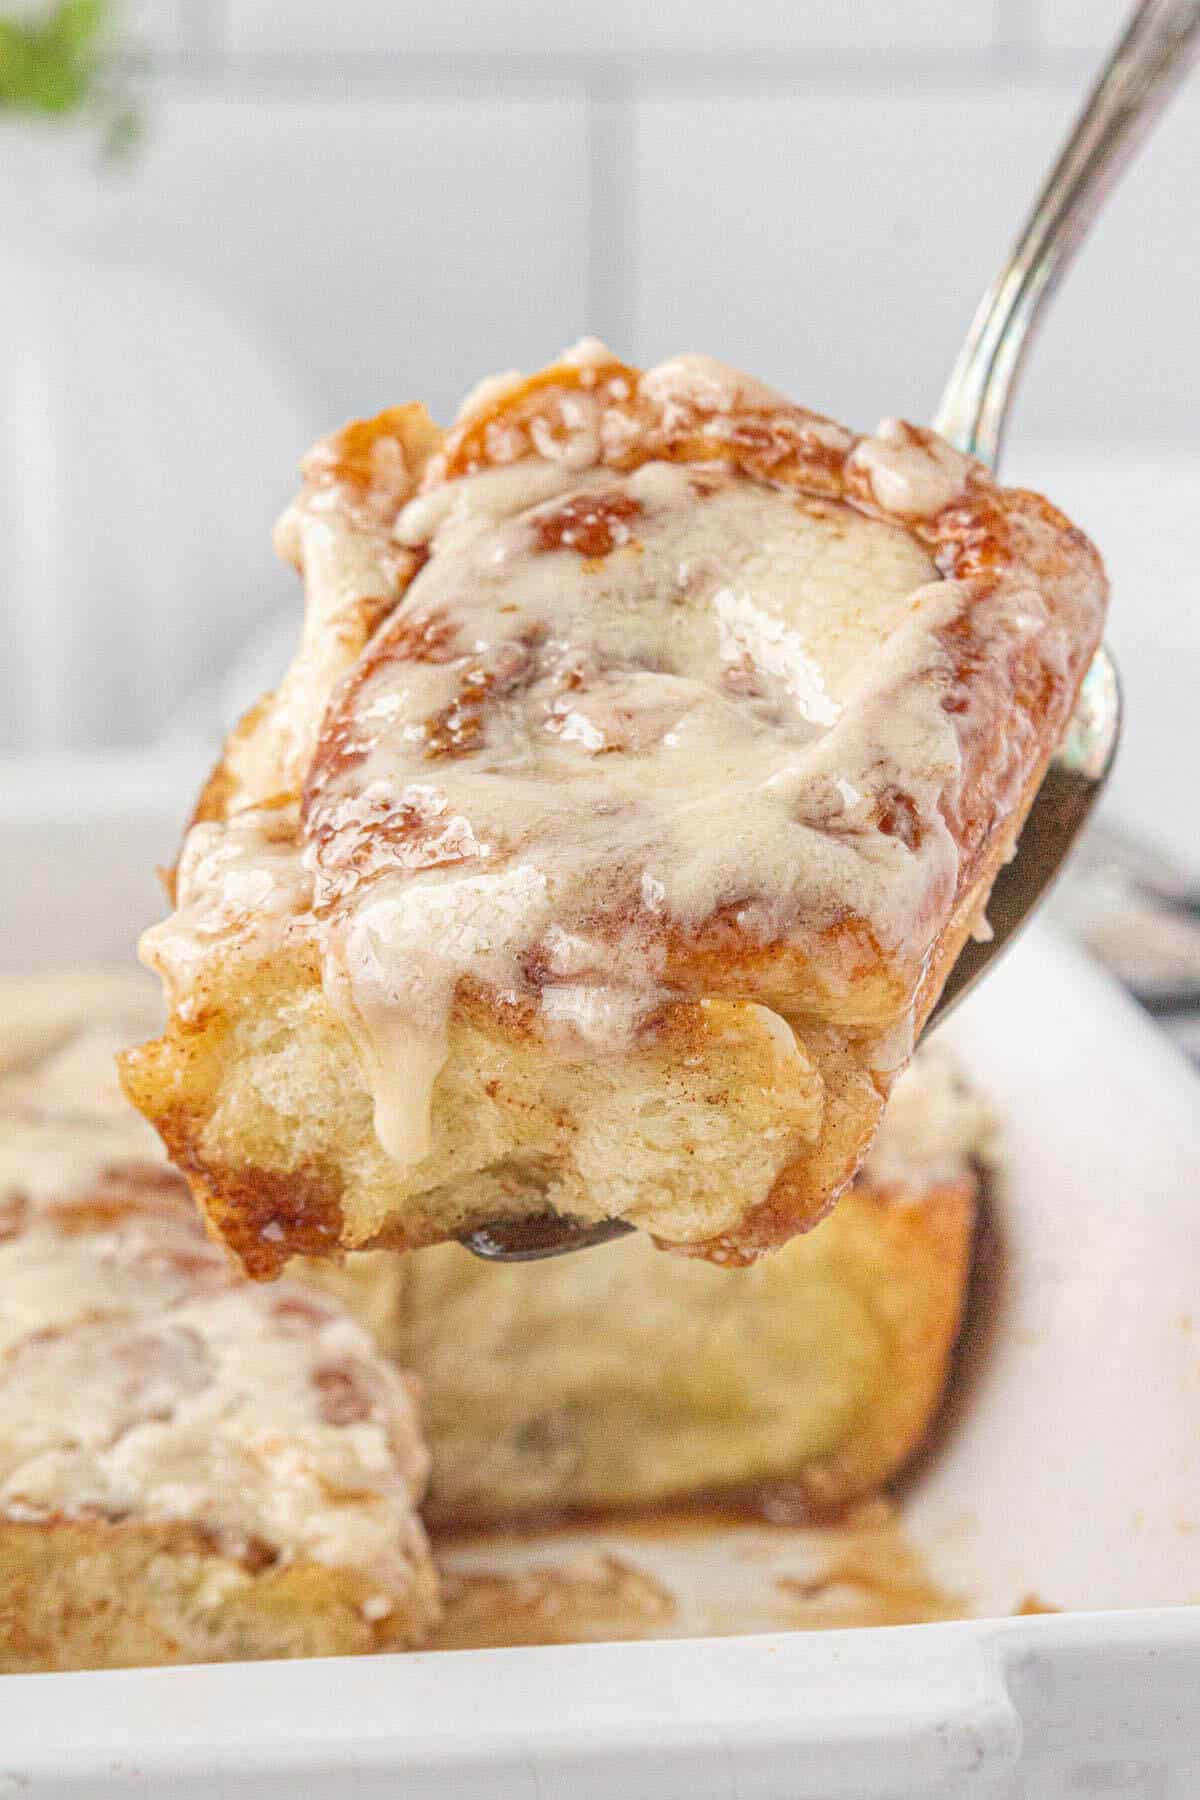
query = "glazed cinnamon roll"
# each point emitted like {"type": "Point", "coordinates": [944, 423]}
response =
{"type": "Point", "coordinates": [649, 752]}
{"type": "Point", "coordinates": [193, 1468]}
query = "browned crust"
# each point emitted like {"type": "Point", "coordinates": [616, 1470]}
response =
{"type": "Point", "coordinates": [92, 1593]}
{"type": "Point", "coordinates": [264, 1215]}
{"type": "Point", "coordinates": [781, 443]}
{"type": "Point", "coordinates": [348, 457]}
{"type": "Point", "coordinates": [936, 1227]}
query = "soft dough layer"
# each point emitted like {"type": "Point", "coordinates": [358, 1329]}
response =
{"type": "Point", "coordinates": [650, 750]}
{"type": "Point", "coordinates": [620, 1378]}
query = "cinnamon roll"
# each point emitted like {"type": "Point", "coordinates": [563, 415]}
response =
{"type": "Point", "coordinates": [193, 1468]}
{"type": "Point", "coordinates": [650, 749]}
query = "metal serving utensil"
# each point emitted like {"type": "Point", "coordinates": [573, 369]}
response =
{"type": "Point", "coordinates": [1142, 72]}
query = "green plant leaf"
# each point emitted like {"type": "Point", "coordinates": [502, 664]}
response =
{"type": "Point", "coordinates": [50, 65]}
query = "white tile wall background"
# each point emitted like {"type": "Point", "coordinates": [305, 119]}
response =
{"type": "Point", "coordinates": [396, 195]}
{"type": "Point", "coordinates": [358, 234]}
{"type": "Point", "coordinates": [876, 221]}
{"type": "Point", "coordinates": [155, 25]}
{"type": "Point", "coordinates": [1080, 24]}
{"type": "Point", "coordinates": [386, 199]}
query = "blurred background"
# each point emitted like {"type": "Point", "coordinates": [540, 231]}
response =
{"type": "Point", "coordinates": [227, 225]}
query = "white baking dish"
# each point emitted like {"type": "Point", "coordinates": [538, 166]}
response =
{"type": "Point", "coordinates": [1070, 1469]}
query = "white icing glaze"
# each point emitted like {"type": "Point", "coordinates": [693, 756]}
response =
{"type": "Point", "coordinates": [243, 881]}
{"type": "Point", "coordinates": [912, 476]}
{"type": "Point", "coordinates": [208, 1411]}
{"type": "Point", "coordinates": [661, 719]}
{"type": "Point", "coordinates": [588, 353]}
{"type": "Point", "coordinates": [119, 1397]}
{"type": "Point", "coordinates": [489, 390]}
{"type": "Point", "coordinates": [344, 562]}
{"type": "Point", "coordinates": [702, 381]}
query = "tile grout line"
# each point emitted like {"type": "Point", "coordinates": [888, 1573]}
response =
{"type": "Point", "coordinates": [204, 30]}
{"type": "Point", "coordinates": [1018, 27]}
{"type": "Point", "coordinates": [313, 75]}
{"type": "Point", "coordinates": [205, 64]}
{"type": "Point", "coordinates": [612, 209]}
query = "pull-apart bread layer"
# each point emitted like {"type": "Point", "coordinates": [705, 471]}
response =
{"type": "Point", "coordinates": [192, 1467]}
{"type": "Point", "coordinates": [649, 753]}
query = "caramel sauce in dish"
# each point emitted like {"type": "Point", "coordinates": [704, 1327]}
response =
{"type": "Point", "coordinates": [681, 1576]}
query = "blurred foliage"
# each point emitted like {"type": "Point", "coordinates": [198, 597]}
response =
{"type": "Point", "coordinates": [60, 62]}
